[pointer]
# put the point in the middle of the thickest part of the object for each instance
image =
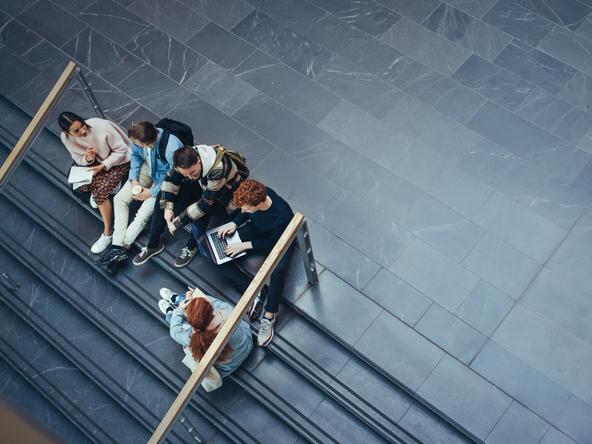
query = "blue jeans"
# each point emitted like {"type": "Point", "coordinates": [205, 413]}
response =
{"type": "Point", "coordinates": [180, 298]}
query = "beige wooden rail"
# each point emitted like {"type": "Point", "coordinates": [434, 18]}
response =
{"type": "Point", "coordinates": [228, 328]}
{"type": "Point", "coordinates": [19, 150]}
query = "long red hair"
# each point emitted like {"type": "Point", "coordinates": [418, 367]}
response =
{"type": "Point", "coordinates": [199, 314]}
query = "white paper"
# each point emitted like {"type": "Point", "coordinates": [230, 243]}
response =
{"type": "Point", "coordinates": [80, 176]}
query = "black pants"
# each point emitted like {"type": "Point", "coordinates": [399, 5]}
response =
{"type": "Point", "coordinates": [187, 195]}
{"type": "Point", "coordinates": [278, 277]}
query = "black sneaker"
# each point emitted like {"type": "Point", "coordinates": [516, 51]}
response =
{"type": "Point", "coordinates": [146, 253]}
{"type": "Point", "coordinates": [185, 257]}
{"type": "Point", "coordinates": [255, 311]}
{"type": "Point", "coordinates": [113, 254]}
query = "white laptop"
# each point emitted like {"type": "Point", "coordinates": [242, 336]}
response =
{"type": "Point", "coordinates": [217, 245]}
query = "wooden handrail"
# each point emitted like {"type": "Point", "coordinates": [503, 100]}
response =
{"type": "Point", "coordinates": [37, 122]}
{"type": "Point", "coordinates": [227, 329]}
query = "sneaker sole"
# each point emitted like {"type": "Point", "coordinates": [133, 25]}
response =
{"type": "Point", "coordinates": [160, 250]}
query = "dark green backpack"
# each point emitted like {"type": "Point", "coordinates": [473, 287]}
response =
{"type": "Point", "coordinates": [238, 159]}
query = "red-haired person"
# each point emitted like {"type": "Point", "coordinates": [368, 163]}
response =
{"type": "Point", "coordinates": [263, 218]}
{"type": "Point", "coordinates": [195, 319]}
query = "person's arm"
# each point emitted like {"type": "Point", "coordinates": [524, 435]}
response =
{"type": "Point", "coordinates": [71, 146]}
{"type": "Point", "coordinates": [163, 166]}
{"type": "Point", "coordinates": [241, 218]}
{"type": "Point", "coordinates": [119, 148]}
{"type": "Point", "coordinates": [215, 183]}
{"type": "Point", "coordinates": [170, 189]}
{"type": "Point", "coordinates": [267, 243]}
{"type": "Point", "coordinates": [135, 163]}
{"type": "Point", "coordinates": [180, 330]}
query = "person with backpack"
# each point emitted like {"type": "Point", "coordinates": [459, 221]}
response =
{"type": "Point", "coordinates": [104, 148]}
{"type": "Point", "coordinates": [151, 159]}
{"type": "Point", "coordinates": [202, 180]}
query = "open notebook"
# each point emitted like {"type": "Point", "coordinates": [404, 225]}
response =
{"type": "Point", "coordinates": [80, 176]}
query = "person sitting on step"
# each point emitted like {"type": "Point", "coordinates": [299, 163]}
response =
{"type": "Point", "coordinates": [264, 217]}
{"type": "Point", "coordinates": [102, 146]}
{"type": "Point", "coordinates": [150, 163]}
{"type": "Point", "coordinates": [195, 319]}
{"type": "Point", "coordinates": [200, 183]}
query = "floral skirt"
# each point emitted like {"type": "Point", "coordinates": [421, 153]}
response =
{"type": "Point", "coordinates": [106, 181]}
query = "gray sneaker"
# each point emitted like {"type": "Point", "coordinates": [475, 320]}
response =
{"type": "Point", "coordinates": [146, 253]}
{"type": "Point", "coordinates": [185, 257]}
{"type": "Point", "coordinates": [265, 334]}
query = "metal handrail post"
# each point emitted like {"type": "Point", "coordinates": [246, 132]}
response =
{"type": "Point", "coordinates": [86, 89]}
{"type": "Point", "coordinates": [307, 254]}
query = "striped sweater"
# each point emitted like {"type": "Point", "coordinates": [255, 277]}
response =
{"type": "Point", "coordinates": [218, 181]}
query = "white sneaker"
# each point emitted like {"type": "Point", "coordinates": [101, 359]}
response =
{"type": "Point", "coordinates": [165, 306]}
{"type": "Point", "coordinates": [168, 295]}
{"type": "Point", "coordinates": [101, 244]}
{"type": "Point", "coordinates": [93, 203]}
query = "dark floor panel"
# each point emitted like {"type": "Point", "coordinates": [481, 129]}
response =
{"type": "Point", "coordinates": [101, 55]}
{"type": "Point", "coordinates": [290, 88]}
{"type": "Point", "coordinates": [172, 17]}
{"type": "Point", "coordinates": [157, 92]}
{"type": "Point", "coordinates": [30, 403]}
{"type": "Point", "coordinates": [54, 369]}
{"type": "Point", "coordinates": [166, 54]}
{"type": "Point", "coordinates": [113, 20]}
{"type": "Point", "coordinates": [220, 46]}
{"type": "Point", "coordinates": [519, 22]}
{"type": "Point", "coordinates": [51, 22]}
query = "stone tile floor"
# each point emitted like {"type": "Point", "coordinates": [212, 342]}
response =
{"type": "Point", "coordinates": [441, 151]}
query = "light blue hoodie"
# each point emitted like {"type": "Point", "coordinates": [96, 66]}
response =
{"type": "Point", "coordinates": [241, 340]}
{"type": "Point", "coordinates": [158, 167]}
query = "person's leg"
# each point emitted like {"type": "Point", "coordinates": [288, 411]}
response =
{"type": "Point", "coordinates": [178, 299]}
{"type": "Point", "coordinates": [106, 210]}
{"type": "Point", "coordinates": [276, 284]}
{"type": "Point", "coordinates": [239, 280]}
{"type": "Point", "coordinates": [121, 203]}
{"type": "Point", "coordinates": [188, 195]}
{"type": "Point", "coordinates": [157, 225]}
{"type": "Point", "coordinates": [155, 243]}
{"type": "Point", "coordinates": [140, 221]}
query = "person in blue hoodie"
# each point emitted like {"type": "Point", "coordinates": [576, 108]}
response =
{"type": "Point", "coordinates": [195, 320]}
{"type": "Point", "coordinates": [149, 165]}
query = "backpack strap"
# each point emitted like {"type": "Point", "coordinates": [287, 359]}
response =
{"type": "Point", "coordinates": [219, 153]}
{"type": "Point", "coordinates": [164, 141]}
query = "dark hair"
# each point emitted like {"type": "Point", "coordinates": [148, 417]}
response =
{"type": "Point", "coordinates": [67, 118]}
{"type": "Point", "coordinates": [199, 314]}
{"type": "Point", "coordinates": [144, 132]}
{"type": "Point", "coordinates": [185, 157]}
{"type": "Point", "coordinates": [250, 192]}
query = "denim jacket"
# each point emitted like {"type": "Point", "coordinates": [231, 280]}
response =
{"type": "Point", "coordinates": [241, 340]}
{"type": "Point", "coordinates": [158, 167]}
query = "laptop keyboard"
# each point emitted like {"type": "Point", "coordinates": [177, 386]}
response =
{"type": "Point", "coordinates": [219, 244]}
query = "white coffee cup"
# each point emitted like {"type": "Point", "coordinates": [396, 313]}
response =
{"type": "Point", "coordinates": [136, 189]}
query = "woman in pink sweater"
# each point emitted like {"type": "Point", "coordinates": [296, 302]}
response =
{"type": "Point", "coordinates": [105, 149]}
